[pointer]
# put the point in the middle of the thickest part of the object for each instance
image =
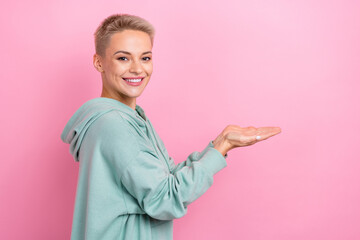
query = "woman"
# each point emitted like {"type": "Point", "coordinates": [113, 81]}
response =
{"type": "Point", "coordinates": [128, 185]}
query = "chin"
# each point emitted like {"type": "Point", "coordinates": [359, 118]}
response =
{"type": "Point", "coordinates": [134, 95]}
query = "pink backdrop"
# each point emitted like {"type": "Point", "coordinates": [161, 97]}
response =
{"type": "Point", "coordinates": [293, 64]}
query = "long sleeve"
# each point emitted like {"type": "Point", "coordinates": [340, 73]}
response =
{"type": "Point", "coordinates": [164, 195]}
{"type": "Point", "coordinates": [194, 156]}
{"type": "Point", "coordinates": [161, 194]}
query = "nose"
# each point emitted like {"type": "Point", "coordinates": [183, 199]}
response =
{"type": "Point", "coordinates": [136, 67]}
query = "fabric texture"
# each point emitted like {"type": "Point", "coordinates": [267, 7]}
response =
{"type": "Point", "coordinates": [128, 185]}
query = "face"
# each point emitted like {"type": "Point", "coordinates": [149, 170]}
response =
{"type": "Point", "coordinates": [128, 55]}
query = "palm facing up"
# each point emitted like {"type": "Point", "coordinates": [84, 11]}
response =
{"type": "Point", "coordinates": [234, 136]}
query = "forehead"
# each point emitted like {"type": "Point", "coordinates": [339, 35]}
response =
{"type": "Point", "coordinates": [135, 42]}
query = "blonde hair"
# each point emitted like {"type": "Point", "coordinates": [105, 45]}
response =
{"type": "Point", "coordinates": [118, 23]}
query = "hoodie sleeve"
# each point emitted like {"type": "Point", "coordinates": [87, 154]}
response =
{"type": "Point", "coordinates": [160, 193]}
{"type": "Point", "coordinates": [195, 156]}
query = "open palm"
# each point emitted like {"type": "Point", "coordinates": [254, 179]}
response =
{"type": "Point", "coordinates": [239, 137]}
{"type": "Point", "coordinates": [234, 136]}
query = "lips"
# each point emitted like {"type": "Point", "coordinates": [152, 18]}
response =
{"type": "Point", "coordinates": [135, 78]}
{"type": "Point", "coordinates": [132, 82]}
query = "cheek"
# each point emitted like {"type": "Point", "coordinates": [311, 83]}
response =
{"type": "Point", "coordinates": [149, 68]}
{"type": "Point", "coordinates": [118, 68]}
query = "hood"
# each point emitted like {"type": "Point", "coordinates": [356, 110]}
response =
{"type": "Point", "coordinates": [91, 110]}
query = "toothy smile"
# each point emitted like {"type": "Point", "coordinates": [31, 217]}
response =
{"type": "Point", "coordinates": [133, 80]}
{"type": "Point", "coordinates": [136, 81]}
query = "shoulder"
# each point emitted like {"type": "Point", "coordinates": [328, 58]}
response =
{"type": "Point", "coordinates": [112, 135]}
{"type": "Point", "coordinates": [109, 120]}
{"type": "Point", "coordinates": [112, 127]}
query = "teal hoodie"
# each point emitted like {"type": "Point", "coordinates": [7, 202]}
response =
{"type": "Point", "coordinates": [128, 185]}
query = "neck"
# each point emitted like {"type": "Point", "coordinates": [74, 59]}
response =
{"type": "Point", "coordinates": [131, 102]}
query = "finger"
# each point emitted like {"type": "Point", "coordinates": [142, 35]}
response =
{"type": "Point", "coordinates": [266, 132]}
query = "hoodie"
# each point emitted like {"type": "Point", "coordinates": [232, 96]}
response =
{"type": "Point", "coordinates": [128, 185]}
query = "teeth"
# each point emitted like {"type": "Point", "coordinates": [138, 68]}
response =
{"type": "Point", "coordinates": [133, 80]}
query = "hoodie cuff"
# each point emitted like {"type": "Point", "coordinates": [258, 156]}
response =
{"type": "Point", "coordinates": [213, 161]}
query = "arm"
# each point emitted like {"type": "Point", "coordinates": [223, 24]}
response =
{"type": "Point", "coordinates": [164, 195]}
{"type": "Point", "coordinates": [195, 156]}
{"type": "Point", "coordinates": [161, 194]}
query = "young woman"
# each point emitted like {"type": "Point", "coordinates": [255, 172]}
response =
{"type": "Point", "coordinates": [128, 185]}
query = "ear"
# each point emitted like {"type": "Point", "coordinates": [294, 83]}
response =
{"type": "Point", "coordinates": [97, 63]}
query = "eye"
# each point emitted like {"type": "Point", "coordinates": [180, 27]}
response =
{"type": "Point", "coordinates": [121, 58]}
{"type": "Point", "coordinates": [148, 58]}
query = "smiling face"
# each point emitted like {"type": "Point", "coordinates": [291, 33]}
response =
{"type": "Point", "coordinates": [128, 55]}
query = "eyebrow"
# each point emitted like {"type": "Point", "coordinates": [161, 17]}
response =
{"type": "Point", "coordinates": [125, 52]}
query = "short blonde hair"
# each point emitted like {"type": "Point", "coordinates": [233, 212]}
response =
{"type": "Point", "coordinates": [118, 23]}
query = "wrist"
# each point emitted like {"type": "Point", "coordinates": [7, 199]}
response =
{"type": "Point", "coordinates": [221, 146]}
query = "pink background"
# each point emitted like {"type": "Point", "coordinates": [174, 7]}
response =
{"type": "Point", "coordinates": [293, 64]}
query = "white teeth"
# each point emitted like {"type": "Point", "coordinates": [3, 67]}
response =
{"type": "Point", "coordinates": [133, 80]}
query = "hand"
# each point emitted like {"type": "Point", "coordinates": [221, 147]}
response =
{"type": "Point", "coordinates": [234, 136]}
